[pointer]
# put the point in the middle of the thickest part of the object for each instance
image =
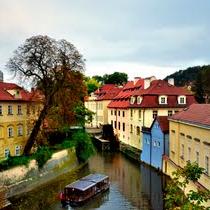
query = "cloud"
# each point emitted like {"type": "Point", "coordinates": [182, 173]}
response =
{"type": "Point", "coordinates": [138, 34]}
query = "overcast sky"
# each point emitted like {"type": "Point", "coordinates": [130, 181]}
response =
{"type": "Point", "coordinates": [139, 37]}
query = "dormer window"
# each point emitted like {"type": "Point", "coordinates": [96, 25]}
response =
{"type": "Point", "coordinates": [139, 99]}
{"type": "Point", "coordinates": [182, 100]}
{"type": "Point", "coordinates": [132, 100]}
{"type": "Point", "coordinates": [162, 99]}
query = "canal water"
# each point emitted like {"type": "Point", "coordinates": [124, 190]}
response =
{"type": "Point", "coordinates": [133, 186]}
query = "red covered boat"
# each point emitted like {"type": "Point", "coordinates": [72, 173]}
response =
{"type": "Point", "coordinates": [77, 193]}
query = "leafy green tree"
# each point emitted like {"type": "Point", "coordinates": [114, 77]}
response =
{"type": "Point", "coordinates": [45, 64]}
{"type": "Point", "coordinates": [83, 114]}
{"type": "Point", "coordinates": [117, 78]}
{"type": "Point", "coordinates": [198, 88]}
{"type": "Point", "coordinates": [176, 197]}
{"type": "Point", "coordinates": [92, 84]}
{"type": "Point", "coordinates": [84, 145]}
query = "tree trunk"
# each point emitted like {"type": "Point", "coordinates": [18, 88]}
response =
{"type": "Point", "coordinates": [31, 140]}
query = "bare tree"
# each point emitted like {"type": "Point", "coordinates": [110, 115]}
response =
{"type": "Point", "coordinates": [44, 63]}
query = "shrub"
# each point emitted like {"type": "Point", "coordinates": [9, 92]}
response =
{"type": "Point", "coordinates": [42, 155]}
{"type": "Point", "coordinates": [84, 145]}
{"type": "Point", "coordinates": [14, 161]}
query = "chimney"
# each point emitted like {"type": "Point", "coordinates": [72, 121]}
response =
{"type": "Point", "coordinates": [171, 81]}
{"type": "Point", "coordinates": [148, 80]}
{"type": "Point", "coordinates": [136, 79]}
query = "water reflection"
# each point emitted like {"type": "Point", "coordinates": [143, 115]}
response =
{"type": "Point", "coordinates": [133, 186]}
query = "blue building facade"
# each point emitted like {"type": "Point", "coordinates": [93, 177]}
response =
{"type": "Point", "coordinates": [155, 142]}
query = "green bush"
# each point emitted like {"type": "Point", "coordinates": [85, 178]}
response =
{"type": "Point", "coordinates": [84, 145]}
{"type": "Point", "coordinates": [42, 155]}
{"type": "Point", "coordinates": [14, 161]}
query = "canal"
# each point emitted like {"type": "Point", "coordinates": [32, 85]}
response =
{"type": "Point", "coordinates": [133, 186]}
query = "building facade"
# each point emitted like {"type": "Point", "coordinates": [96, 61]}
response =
{"type": "Point", "coordinates": [190, 141]}
{"type": "Point", "coordinates": [141, 101]}
{"type": "Point", "coordinates": [98, 102]}
{"type": "Point", "coordinates": [18, 111]}
{"type": "Point", "coordinates": [155, 142]}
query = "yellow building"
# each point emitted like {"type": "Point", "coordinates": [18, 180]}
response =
{"type": "Point", "coordinates": [17, 113]}
{"type": "Point", "coordinates": [98, 102]}
{"type": "Point", "coordinates": [190, 141]}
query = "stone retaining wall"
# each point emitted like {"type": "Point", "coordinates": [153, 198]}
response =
{"type": "Point", "coordinates": [22, 178]}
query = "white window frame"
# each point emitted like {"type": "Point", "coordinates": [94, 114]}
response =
{"type": "Point", "coordinates": [10, 110]}
{"type": "Point", "coordinates": [20, 130]}
{"type": "Point", "coordinates": [132, 100]}
{"type": "Point", "coordinates": [139, 100]}
{"type": "Point", "coordinates": [180, 99]}
{"type": "Point", "coordinates": [6, 153]}
{"type": "Point", "coordinates": [165, 99]}
{"type": "Point", "coordinates": [10, 132]}
{"type": "Point", "coordinates": [19, 112]}
{"type": "Point", "coordinates": [17, 150]}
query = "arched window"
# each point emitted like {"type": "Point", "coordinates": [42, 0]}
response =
{"type": "Point", "coordinates": [132, 100]}
{"type": "Point", "coordinates": [139, 99]}
{"type": "Point", "coordinates": [17, 150]}
{"type": "Point", "coordinates": [20, 130]}
{"type": "Point", "coordinates": [10, 131]}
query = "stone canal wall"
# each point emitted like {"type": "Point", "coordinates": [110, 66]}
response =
{"type": "Point", "coordinates": [24, 178]}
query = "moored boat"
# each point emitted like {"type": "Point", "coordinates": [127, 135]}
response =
{"type": "Point", "coordinates": [77, 193]}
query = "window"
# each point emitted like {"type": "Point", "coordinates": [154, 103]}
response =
{"type": "Point", "coordinates": [182, 100]}
{"type": "Point", "coordinates": [9, 109]}
{"type": "Point", "coordinates": [197, 157]}
{"type": "Point", "coordinates": [118, 113]}
{"type": "Point", "coordinates": [132, 100]}
{"type": "Point", "coordinates": [182, 151]}
{"type": "Point", "coordinates": [131, 128]}
{"type": "Point", "coordinates": [115, 112]}
{"type": "Point", "coordinates": [139, 99]}
{"type": "Point", "coordinates": [131, 112]}
{"type": "Point", "coordinates": [123, 126]}
{"type": "Point", "coordinates": [20, 130]}
{"type": "Point", "coordinates": [189, 137]}
{"type": "Point", "coordinates": [138, 130]}
{"type": "Point", "coordinates": [207, 165]}
{"type": "Point", "coordinates": [1, 113]}
{"type": "Point", "coordinates": [112, 122]}
{"type": "Point", "coordinates": [119, 125]}
{"type": "Point", "coordinates": [139, 114]}
{"type": "Point", "coordinates": [111, 112]}
{"type": "Point", "coordinates": [158, 144]}
{"type": "Point", "coordinates": [123, 114]}
{"type": "Point", "coordinates": [154, 143]}
{"type": "Point", "coordinates": [189, 153]}
{"type": "Point", "coordinates": [6, 153]}
{"type": "Point", "coordinates": [162, 99]}
{"type": "Point", "coordinates": [17, 150]}
{"type": "Point", "coordinates": [154, 114]}
{"type": "Point", "coordinates": [115, 124]}
{"type": "Point", "coordinates": [172, 131]}
{"type": "Point", "coordinates": [19, 109]}
{"type": "Point", "coordinates": [10, 132]}
{"type": "Point", "coordinates": [170, 113]}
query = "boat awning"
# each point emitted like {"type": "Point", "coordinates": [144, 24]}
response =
{"type": "Point", "coordinates": [95, 177]}
{"type": "Point", "coordinates": [87, 182]}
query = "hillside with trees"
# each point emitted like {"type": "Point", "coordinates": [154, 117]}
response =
{"type": "Point", "coordinates": [197, 78]}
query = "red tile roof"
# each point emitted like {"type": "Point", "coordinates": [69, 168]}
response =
{"type": "Point", "coordinates": [107, 92]}
{"type": "Point", "coordinates": [122, 99]}
{"type": "Point", "coordinates": [160, 87]}
{"type": "Point", "coordinates": [164, 123]}
{"type": "Point", "coordinates": [23, 94]}
{"type": "Point", "coordinates": [198, 114]}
